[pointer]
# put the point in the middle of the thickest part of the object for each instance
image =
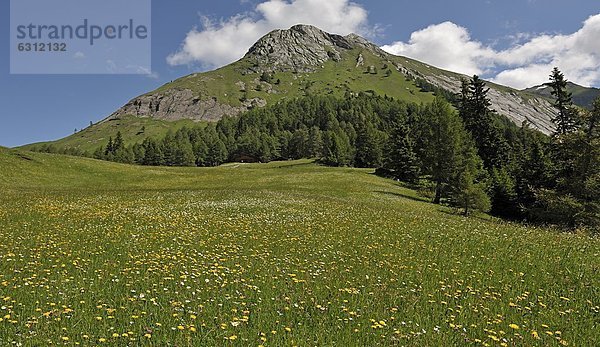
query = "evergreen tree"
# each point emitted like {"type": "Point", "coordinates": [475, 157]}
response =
{"type": "Point", "coordinates": [315, 142]}
{"type": "Point", "coordinates": [474, 108]}
{"type": "Point", "coordinates": [299, 144]}
{"type": "Point", "coordinates": [138, 153]}
{"type": "Point", "coordinates": [152, 153]}
{"type": "Point", "coordinates": [565, 120]}
{"type": "Point", "coordinates": [401, 157]}
{"type": "Point", "coordinates": [503, 194]}
{"type": "Point", "coordinates": [118, 143]}
{"type": "Point", "coordinates": [168, 149]}
{"type": "Point", "coordinates": [200, 152]}
{"type": "Point", "coordinates": [534, 167]}
{"type": "Point", "coordinates": [466, 189]}
{"type": "Point", "coordinates": [369, 152]}
{"type": "Point", "coordinates": [124, 155]}
{"type": "Point", "coordinates": [268, 148]}
{"type": "Point", "coordinates": [99, 153]}
{"type": "Point", "coordinates": [184, 153]}
{"type": "Point", "coordinates": [217, 151]}
{"type": "Point", "coordinates": [109, 147]}
{"type": "Point", "coordinates": [336, 150]}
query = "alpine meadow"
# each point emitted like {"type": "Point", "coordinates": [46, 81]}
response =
{"type": "Point", "coordinates": [319, 191]}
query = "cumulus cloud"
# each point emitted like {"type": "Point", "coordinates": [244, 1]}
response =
{"type": "Point", "coordinates": [526, 62]}
{"type": "Point", "coordinates": [449, 46]}
{"type": "Point", "coordinates": [218, 43]}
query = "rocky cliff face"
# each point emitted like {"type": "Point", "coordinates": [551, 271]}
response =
{"type": "Point", "coordinates": [177, 104]}
{"type": "Point", "coordinates": [536, 111]}
{"type": "Point", "coordinates": [303, 49]}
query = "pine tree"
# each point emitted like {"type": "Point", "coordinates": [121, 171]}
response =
{"type": "Point", "coordinates": [169, 151]}
{"type": "Point", "coordinates": [401, 157]}
{"type": "Point", "coordinates": [268, 148]}
{"type": "Point", "coordinates": [565, 120]}
{"type": "Point", "coordinates": [201, 152]}
{"type": "Point", "coordinates": [369, 152]}
{"type": "Point", "coordinates": [152, 153]}
{"type": "Point", "coordinates": [118, 143]}
{"type": "Point", "coordinates": [109, 147]}
{"type": "Point", "coordinates": [503, 194]}
{"type": "Point", "coordinates": [217, 151]}
{"type": "Point", "coordinates": [99, 153]}
{"type": "Point", "coordinates": [315, 142]}
{"type": "Point", "coordinates": [467, 191]}
{"type": "Point", "coordinates": [337, 151]}
{"type": "Point", "coordinates": [474, 108]}
{"type": "Point", "coordinates": [299, 144]}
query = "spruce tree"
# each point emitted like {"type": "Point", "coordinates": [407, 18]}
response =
{"type": "Point", "coordinates": [299, 144]}
{"type": "Point", "coordinates": [565, 119]}
{"type": "Point", "coordinates": [466, 188]}
{"type": "Point", "coordinates": [315, 142]}
{"type": "Point", "coordinates": [118, 143]}
{"type": "Point", "coordinates": [369, 152]}
{"type": "Point", "coordinates": [474, 108]}
{"type": "Point", "coordinates": [109, 147]}
{"type": "Point", "coordinates": [152, 153]}
{"type": "Point", "coordinates": [401, 157]}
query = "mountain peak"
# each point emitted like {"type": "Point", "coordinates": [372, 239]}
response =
{"type": "Point", "coordinates": [300, 48]}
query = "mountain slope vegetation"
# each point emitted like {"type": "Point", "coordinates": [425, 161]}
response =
{"type": "Point", "coordinates": [303, 61]}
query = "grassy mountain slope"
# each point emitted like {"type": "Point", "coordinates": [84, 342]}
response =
{"type": "Point", "coordinates": [133, 129]}
{"type": "Point", "coordinates": [288, 252]}
{"type": "Point", "coordinates": [303, 60]}
{"type": "Point", "coordinates": [582, 96]}
{"type": "Point", "coordinates": [232, 84]}
{"type": "Point", "coordinates": [332, 78]}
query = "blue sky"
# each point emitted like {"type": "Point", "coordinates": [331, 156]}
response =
{"type": "Point", "coordinates": [511, 41]}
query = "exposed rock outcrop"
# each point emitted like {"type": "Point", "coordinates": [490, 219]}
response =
{"type": "Point", "coordinates": [536, 111]}
{"type": "Point", "coordinates": [177, 104]}
{"type": "Point", "coordinates": [302, 48]}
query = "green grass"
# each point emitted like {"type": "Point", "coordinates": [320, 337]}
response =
{"type": "Point", "coordinates": [332, 78]}
{"type": "Point", "coordinates": [289, 252]}
{"type": "Point", "coordinates": [133, 129]}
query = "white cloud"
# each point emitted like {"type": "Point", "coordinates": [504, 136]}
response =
{"type": "Point", "coordinates": [450, 46]}
{"type": "Point", "coordinates": [526, 62]}
{"type": "Point", "coordinates": [222, 42]}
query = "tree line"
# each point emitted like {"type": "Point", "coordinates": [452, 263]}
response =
{"type": "Point", "coordinates": [463, 152]}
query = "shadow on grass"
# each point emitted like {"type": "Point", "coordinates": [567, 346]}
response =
{"type": "Point", "coordinates": [405, 196]}
{"type": "Point", "coordinates": [476, 215]}
{"type": "Point", "coordinates": [295, 164]}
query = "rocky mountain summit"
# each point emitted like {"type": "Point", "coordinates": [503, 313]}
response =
{"type": "Point", "coordinates": [302, 48]}
{"type": "Point", "coordinates": [304, 57]}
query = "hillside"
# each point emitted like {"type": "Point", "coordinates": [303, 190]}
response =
{"type": "Point", "coordinates": [94, 252]}
{"type": "Point", "coordinates": [303, 60]}
{"type": "Point", "coordinates": [133, 129]}
{"type": "Point", "coordinates": [582, 96]}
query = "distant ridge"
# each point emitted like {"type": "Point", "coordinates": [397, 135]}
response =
{"type": "Point", "coordinates": [582, 96]}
